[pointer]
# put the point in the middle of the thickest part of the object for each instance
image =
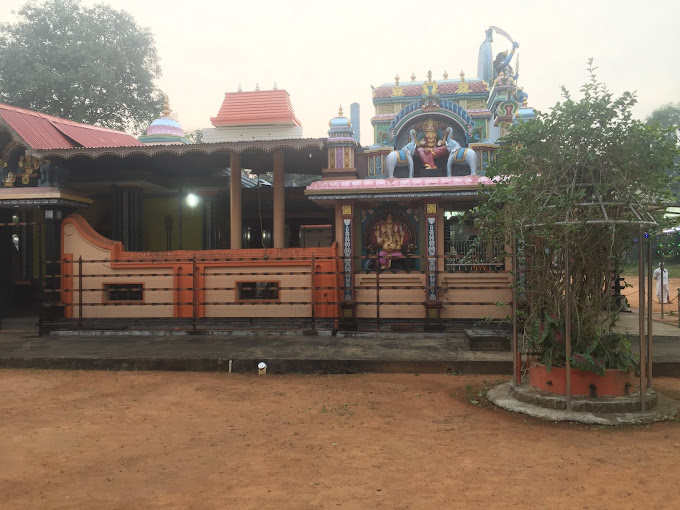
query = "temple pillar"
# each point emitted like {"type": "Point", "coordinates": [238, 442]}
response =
{"type": "Point", "coordinates": [279, 213]}
{"type": "Point", "coordinates": [236, 221]}
{"type": "Point", "coordinates": [211, 222]}
{"type": "Point", "coordinates": [345, 212]}
{"type": "Point", "coordinates": [52, 310]}
{"type": "Point", "coordinates": [127, 216]}
{"type": "Point", "coordinates": [433, 305]}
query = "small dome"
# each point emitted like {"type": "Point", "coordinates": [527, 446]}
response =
{"type": "Point", "coordinates": [165, 126]}
{"type": "Point", "coordinates": [164, 130]}
{"type": "Point", "coordinates": [340, 121]}
{"type": "Point", "coordinates": [340, 127]}
{"type": "Point", "coordinates": [524, 112]}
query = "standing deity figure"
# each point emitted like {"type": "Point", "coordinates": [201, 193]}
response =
{"type": "Point", "coordinates": [430, 147]}
{"type": "Point", "coordinates": [390, 237]}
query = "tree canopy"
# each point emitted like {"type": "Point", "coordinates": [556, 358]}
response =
{"type": "Point", "coordinates": [666, 115]}
{"type": "Point", "coordinates": [92, 65]}
{"type": "Point", "coordinates": [584, 175]}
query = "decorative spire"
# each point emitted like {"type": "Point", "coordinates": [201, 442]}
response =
{"type": "Point", "coordinates": [429, 76]}
{"type": "Point", "coordinates": [340, 111]}
{"type": "Point", "coordinates": [396, 79]}
{"type": "Point", "coordinates": [276, 87]}
{"type": "Point", "coordinates": [413, 76]}
{"type": "Point", "coordinates": [239, 88]}
{"type": "Point", "coordinates": [446, 75]}
{"type": "Point", "coordinates": [462, 76]}
{"type": "Point", "coordinates": [525, 102]}
{"type": "Point", "coordinates": [257, 87]}
{"type": "Point", "coordinates": [166, 107]}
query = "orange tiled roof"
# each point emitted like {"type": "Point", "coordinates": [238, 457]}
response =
{"type": "Point", "coordinates": [258, 107]}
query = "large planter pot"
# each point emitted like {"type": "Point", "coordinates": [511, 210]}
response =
{"type": "Point", "coordinates": [614, 383]}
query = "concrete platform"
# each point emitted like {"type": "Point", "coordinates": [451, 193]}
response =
{"type": "Point", "coordinates": [289, 351]}
{"type": "Point", "coordinates": [504, 397]}
{"type": "Point", "coordinates": [408, 352]}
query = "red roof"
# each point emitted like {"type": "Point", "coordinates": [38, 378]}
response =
{"type": "Point", "coordinates": [258, 107]}
{"type": "Point", "coordinates": [40, 131]}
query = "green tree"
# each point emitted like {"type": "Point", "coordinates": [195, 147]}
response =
{"type": "Point", "coordinates": [666, 116]}
{"type": "Point", "coordinates": [584, 175]}
{"type": "Point", "coordinates": [195, 136]}
{"type": "Point", "coordinates": [92, 65]}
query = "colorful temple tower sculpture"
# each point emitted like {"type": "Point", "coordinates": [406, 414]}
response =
{"type": "Point", "coordinates": [477, 111]}
{"type": "Point", "coordinates": [165, 130]}
{"type": "Point", "coordinates": [342, 147]}
{"type": "Point", "coordinates": [256, 115]}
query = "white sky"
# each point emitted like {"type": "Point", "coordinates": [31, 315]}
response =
{"type": "Point", "coordinates": [327, 55]}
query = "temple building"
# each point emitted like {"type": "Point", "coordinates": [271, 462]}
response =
{"type": "Point", "coordinates": [258, 223]}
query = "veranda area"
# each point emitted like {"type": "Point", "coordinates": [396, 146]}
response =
{"type": "Point", "coordinates": [114, 440]}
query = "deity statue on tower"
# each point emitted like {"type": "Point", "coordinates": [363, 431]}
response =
{"type": "Point", "coordinates": [431, 146]}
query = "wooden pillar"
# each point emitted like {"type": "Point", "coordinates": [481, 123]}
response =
{"type": "Point", "coordinates": [127, 215]}
{"type": "Point", "coordinates": [279, 219]}
{"type": "Point", "coordinates": [235, 201]}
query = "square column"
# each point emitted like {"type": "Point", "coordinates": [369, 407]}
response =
{"type": "Point", "coordinates": [279, 219]}
{"type": "Point", "coordinates": [236, 224]}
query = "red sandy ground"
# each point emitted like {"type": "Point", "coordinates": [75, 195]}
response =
{"type": "Point", "coordinates": [135, 440]}
{"type": "Point", "coordinates": [670, 309]}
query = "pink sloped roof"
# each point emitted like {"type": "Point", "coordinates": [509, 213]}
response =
{"type": "Point", "coordinates": [258, 107]}
{"type": "Point", "coordinates": [40, 131]}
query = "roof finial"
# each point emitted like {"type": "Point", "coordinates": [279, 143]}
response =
{"type": "Point", "coordinates": [239, 88]}
{"type": "Point", "coordinates": [429, 76]}
{"type": "Point", "coordinates": [257, 86]}
{"type": "Point", "coordinates": [396, 79]}
{"type": "Point", "coordinates": [462, 76]}
{"type": "Point", "coordinates": [166, 106]}
{"type": "Point", "coordinates": [413, 76]}
{"type": "Point", "coordinates": [446, 75]}
{"type": "Point", "coordinates": [276, 87]}
{"type": "Point", "coordinates": [340, 111]}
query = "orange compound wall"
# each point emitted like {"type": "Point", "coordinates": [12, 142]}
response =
{"type": "Point", "coordinates": [187, 283]}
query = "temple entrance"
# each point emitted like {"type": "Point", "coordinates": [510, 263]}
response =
{"type": "Point", "coordinates": [20, 241]}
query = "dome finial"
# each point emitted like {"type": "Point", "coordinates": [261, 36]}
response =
{"type": "Point", "coordinates": [396, 79]}
{"type": "Point", "coordinates": [239, 88]}
{"type": "Point", "coordinates": [340, 111]}
{"type": "Point", "coordinates": [276, 87]}
{"type": "Point", "coordinates": [257, 86]}
{"type": "Point", "coordinates": [462, 76]}
{"type": "Point", "coordinates": [413, 76]}
{"type": "Point", "coordinates": [446, 75]}
{"type": "Point", "coordinates": [166, 106]}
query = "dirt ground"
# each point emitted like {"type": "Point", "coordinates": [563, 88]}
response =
{"type": "Point", "coordinates": [670, 309]}
{"type": "Point", "coordinates": [631, 294]}
{"type": "Point", "coordinates": [136, 440]}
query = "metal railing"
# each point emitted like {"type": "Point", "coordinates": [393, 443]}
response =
{"type": "Point", "coordinates": [204, 294]}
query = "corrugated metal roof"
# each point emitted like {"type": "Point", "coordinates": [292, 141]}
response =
{"type": "Point", "coordinates": [40, 131]}
{"type": "Point", "coordinates": [258, 107]}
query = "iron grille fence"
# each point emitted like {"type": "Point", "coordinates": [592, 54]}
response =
{"type": "Point", "coordinates": [204, 295]}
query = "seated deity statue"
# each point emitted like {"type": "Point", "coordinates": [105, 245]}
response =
{"type": "Point", "coordinates": [431, 146]}
{"type": "Point", "coordinates": [390, 238]}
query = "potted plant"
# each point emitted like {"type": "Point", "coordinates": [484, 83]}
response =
{"type": "Point", "coordinates": [575, 185]}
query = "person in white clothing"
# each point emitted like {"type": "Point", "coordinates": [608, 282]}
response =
{"type": "Point", "coordinates": [662, 291]}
